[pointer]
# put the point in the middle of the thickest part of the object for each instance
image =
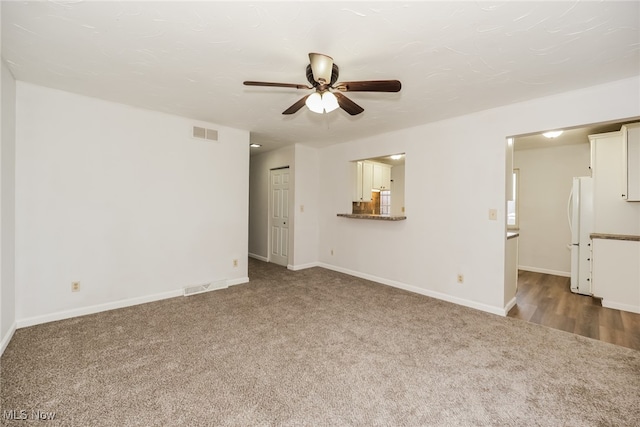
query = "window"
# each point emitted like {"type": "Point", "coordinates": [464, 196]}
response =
{"type": "Point", "coordinates": [512, 205]}
{"type": "Point", "coordinates": [385, 202]}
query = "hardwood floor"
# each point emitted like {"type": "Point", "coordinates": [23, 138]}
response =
{"type": "Point", "coordinates": [547, 300]}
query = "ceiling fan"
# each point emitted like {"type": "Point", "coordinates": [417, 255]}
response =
{"type": "Point", "coordinates": [322, 74]}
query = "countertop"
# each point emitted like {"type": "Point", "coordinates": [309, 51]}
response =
{"type": "Point", "coordinates": [512, 234]}
{"type": "Point", "coordinates": [376, 217]}
{"type": "Point", "coordinates": [630, 237]}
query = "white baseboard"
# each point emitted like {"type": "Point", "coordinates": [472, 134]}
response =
{"type": "Point", "coordinates": [238, 281]}
{"type": "Point", "coordinates": [621, 306]}
{"type": "Point", "coordinates": [449, 298]}
{"type": "Point", "coordinates": [259, 257]}
{"type": "Point", "coordinates": [510, 305]}
{"type": "Point", "coordinates": [303, 266]}
{"type": "Point", "coordinates": [92, 309]}
{"type": "Point", "coordinates": [545, 271]}
{"type": "Point", "coordinates": [7, 338]}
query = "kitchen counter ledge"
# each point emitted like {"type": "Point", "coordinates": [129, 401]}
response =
{"type": "Point", "coordinates": [630, 237]}
{"type": "Point", "coordinates": [376, 217]}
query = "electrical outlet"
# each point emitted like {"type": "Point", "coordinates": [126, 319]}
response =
{"type": "Point", "coordinates": [235, 262]}
{"type": "Point", "coordinates": [493, 214]}
{"type": "Point", "coordinates": [75, 286]}
{"type": "Point", "coordinates": [460, 278]}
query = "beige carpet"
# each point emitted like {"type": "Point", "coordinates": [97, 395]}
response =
{"type": "Point", "coordinates": [314, 348]}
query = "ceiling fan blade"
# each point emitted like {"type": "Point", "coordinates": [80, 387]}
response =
{"type": "Point", "coordinates": [295, 107]}
{"type": "Point", "coordinates": [291, 85]}
{"type": "Point", "coordinates": [321, 66]}
{"type": "Point", "coordinates": [370, 86]}
{"type": "Point", "coordinates": [348, 105]}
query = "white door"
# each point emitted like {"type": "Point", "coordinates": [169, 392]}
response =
{"type": "Point", "coordinates": [279, 216]}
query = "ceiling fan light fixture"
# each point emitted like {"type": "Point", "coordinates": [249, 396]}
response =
{"type": "Point", "coordinates": [314, 103]}
{"type": "Point", "coordinates": [321, 66]}
{"type": "Point", "coordinates": [322, 75]}
{"type": "Point", "coordinates": [329, 102]}
{"type": "Point", "coordinates": [324, 102]}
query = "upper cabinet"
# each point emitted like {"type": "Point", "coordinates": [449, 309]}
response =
{"type": "Point", "coordinates": [631, 162]}
{"type": "Point", "coordinates": [612, 213]}
{"type": "Point", "coordinates": [381, 177]}
{"type": "Point", "coordinates": [363, 181]}
{"type": "Point", "coordinates": [370, 176]}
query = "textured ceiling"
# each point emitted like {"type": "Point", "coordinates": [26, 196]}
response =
{"type": "Point", "coordinates": [190, 58]}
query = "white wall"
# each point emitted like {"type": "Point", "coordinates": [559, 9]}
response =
{"type": "Point", "coordinates": [122, 200]}
{"type": "Point", "coordinates": [545, 182]}
{"type": "Point", "coordinates": [7, 206]}
{"type": "Point", "coordinates": [305, 209]}
{"type": "Point", "coordinates": [447, 197]}
{"type": "Point", "coordinates": [455, 172]}
{"type": "Point", "coordinates": [260, 165]}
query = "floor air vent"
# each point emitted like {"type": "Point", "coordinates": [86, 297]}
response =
{"type": "Point", "coordinates": [204, 133]}
{"type": "Point", "coordinates": [198, 289]}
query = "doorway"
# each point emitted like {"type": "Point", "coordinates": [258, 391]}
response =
{"type": "Point", "coordinates": [279, 216]}
{"type": "Point", "coordinates": [547, 166]}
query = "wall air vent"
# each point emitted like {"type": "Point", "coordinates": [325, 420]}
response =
{"type": "Point", "coordinates": [204, 133]}
{"type": "Point", "coordinates": [198, 289]}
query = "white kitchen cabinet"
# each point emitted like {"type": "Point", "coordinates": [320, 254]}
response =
{"type": "Point", "coordinates": [364, 181]}
{"type": "Point", "coordinates": [612, 213]}
{"type": "Point", "coordinates": [616, 273]}
{"type": "Point", "coordinates": [370, 176]}
{"type": "Point", "coordinates": [631, 162]}
{"type": "Point", "coordinates": [381, 176]}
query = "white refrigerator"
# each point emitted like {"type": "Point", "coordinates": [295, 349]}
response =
{"type": "Point", "coordinates": [580, 214]}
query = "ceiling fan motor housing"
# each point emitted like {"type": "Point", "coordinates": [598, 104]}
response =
{"type": "Point", "coordinates": [334, 76]}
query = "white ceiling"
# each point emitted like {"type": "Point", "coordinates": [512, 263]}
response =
{"type": "Point", "coordinates": [190, 59]}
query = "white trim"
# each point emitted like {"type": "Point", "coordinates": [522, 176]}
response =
{"type": "Point", "coordinates": [238, 281]}
{"type": "Point", "coordinates": [92, 309]}
{"type": "Point", "coordinates": [258, 257]}
{"type": "Point", "coordinates": [449, 298]}
{"type": "Point", "coordinates": [510, 305]}
{"type": "Point", "coordinates": [545, 271]}
{"type": "Point", "coordinates": [7, 338]}
{"type": "Point", "coordinates": [620, 306]}
{"type": "Point", "coordinates": [304, 266]}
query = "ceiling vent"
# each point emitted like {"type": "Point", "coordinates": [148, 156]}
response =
{"type": "Point", "coordinates": [204, 133]}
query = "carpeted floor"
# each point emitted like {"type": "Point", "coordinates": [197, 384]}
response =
{"type": "Point", "coordinates": [314, 348]}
